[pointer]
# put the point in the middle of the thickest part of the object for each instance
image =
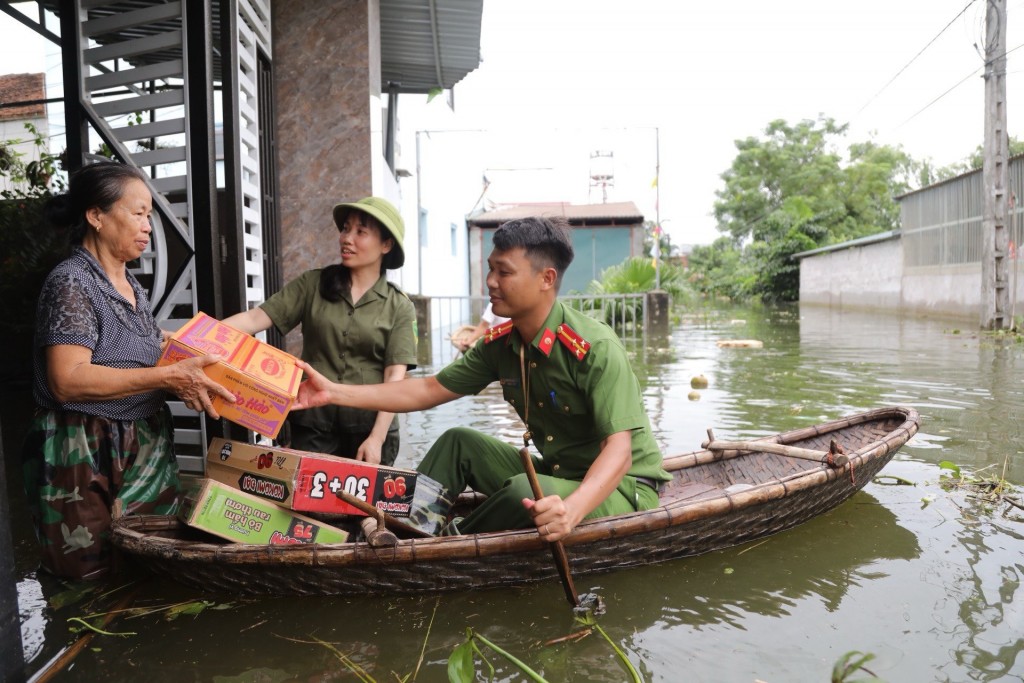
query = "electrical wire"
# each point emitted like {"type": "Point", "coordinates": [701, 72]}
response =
{"type": "Point", "coordinates": [914, 58]}
{"type": "Point", "coordinates": [954, 87]}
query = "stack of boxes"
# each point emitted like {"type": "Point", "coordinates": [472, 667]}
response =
{"type": "Point", "coordinates": [254, 494]}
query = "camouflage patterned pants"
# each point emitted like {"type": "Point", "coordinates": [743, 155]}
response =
{"type": "Point", "coordinates": [75, 466]}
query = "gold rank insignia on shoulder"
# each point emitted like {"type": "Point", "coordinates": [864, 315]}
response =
{"type": "Point", "coordinates": [572, 341]}
{"type": "Point", "coordinates": [497, 332]}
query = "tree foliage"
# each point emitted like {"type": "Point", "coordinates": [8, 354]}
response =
{"type": "Point", "coordinates": [971, 163]}
{"type": "Point", "coordinates": [28, 248]}
{"type": "Point", "coordinates": [794, 189]}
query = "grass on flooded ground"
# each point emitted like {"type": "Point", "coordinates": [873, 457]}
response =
{"type": "Point", "coordinates": [985, 487]}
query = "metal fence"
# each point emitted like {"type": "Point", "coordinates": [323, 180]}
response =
{"type": "Point", "coordinates": [625, 313]}
{"type": "Point", "coordinates": [942, 224]}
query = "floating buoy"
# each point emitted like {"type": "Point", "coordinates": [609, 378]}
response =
{"type": "Point", "coordinates": [699, 382]}
{"type": "Point", "coordinates": [693, 396]}
{"type": "Point", "coordinates": [740, 343]}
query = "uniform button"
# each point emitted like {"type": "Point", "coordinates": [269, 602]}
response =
{"type": "Point", "coordinates": [565, 408]}
{"type": "Point", "coordinates": [512, 401]}
{"type": "Point", "coordinates": [551, 438]}
{"type": "Point", "coordinates": [540, 404]}
{"type": "Point", "coordinates": [344, 334]}
{"type": "Point", "coordinates": [351, 313]}
{"type": "Point", "coordinates": [554, 468]}
{"type": "Point", "coordinates": [533, 363]}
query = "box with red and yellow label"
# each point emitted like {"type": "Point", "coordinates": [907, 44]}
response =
{"type": "Point", "coordinates": [236, 516]}
{"type": "Point", "coordinates": [264, 380]}
{"type": "Point", "coordinates": [309, 481]}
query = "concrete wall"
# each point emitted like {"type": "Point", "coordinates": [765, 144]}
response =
{"type": "Point", "coordinates": [872, 277]}
{"type": "Point", "coordinates": [866, 277]}
{"type": "Point", "coordinates": [944, 291]}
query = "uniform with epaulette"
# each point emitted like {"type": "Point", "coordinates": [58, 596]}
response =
{"type": "Point", "coordinates": [582, 389]}
{"type": "Point", "coordinates": [348, 342]}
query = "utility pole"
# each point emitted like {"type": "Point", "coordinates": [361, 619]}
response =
{"type": "Point", "coordinates": [657, 209]}
{"type": "Point", "coordinates": [995, 175]}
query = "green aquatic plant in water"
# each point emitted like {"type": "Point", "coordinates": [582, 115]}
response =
{"type": "Point", "coordinates": [849, 665]}
{"type": "Point", "coordinates": [462, 667]}
{"type": "Point", "coordinates": [987, 489]}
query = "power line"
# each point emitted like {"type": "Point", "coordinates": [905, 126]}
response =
{"type": "Point", "coordinates": [951, 89]}
{"type": "Point", "coordinates": [914, 58]}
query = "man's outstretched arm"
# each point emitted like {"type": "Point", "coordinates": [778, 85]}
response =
{"type": "Point", "coordinates": [409, 395]}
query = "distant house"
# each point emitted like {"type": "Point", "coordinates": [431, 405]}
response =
{"type": "Point", "coordinates": [603, 235]}
{"type": "Point", "coordinates": [22, 88]}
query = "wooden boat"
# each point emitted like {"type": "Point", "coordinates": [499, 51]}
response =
{"type": "Point", "coordinates": [716, 499]}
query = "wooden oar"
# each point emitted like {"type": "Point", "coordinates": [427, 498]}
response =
{"type": "Point", "coordinates": [382, 517]}
{"type": "Point", "coordinates": [377, 534]}
{"type": "Point", "coordinates": [557, 549]}
{"type": "Point", "coordinates": [833, 457]}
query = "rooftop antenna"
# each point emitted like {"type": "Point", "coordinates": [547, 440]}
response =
{"type": "Point", "coordinates": [602, 173]}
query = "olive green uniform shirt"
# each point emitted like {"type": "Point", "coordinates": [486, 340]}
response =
{"type": "Point", "coordinates": [348, 342]}
{"type": "Point", "coordinates": [574, 403]}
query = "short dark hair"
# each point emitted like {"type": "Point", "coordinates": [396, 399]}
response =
{"type": "Point", "coordinates": [96, 185]}
{"type": "Point", "coordinates": [547, 242]}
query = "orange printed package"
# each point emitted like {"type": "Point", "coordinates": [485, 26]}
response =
{"type": "Point", "coordinates": [264, 379]}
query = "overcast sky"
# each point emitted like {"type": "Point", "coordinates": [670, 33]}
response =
{"type": "Point", "coordinates": [705, 74]}
{"type": "Point", "coordinates": [678, 82]}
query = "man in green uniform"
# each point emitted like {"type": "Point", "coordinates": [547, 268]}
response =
{"type": "Point", "coordinates": [567, 376]}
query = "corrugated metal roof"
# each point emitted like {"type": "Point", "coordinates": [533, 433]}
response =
{"type": "Point", "coordinates": [428, 44]}
{"type": "Point", "coordinates": [859, 242]}
{"type": "Point", "coordinates": [425, 44]}
{"type": "Point", "coordinates": [613, 213]}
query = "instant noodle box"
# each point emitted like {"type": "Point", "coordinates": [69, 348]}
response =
{"type": "Point", "coordinates": [224, 511]}
{"type": "Point", "coordinates": [309, 481]}
{"type": "Point", "coordinates": [264, 379]}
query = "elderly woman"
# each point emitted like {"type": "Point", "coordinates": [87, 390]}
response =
{"type": "Point", "coordinates": [357, 328]}
{"type": "Point", "coordinates": [102, 431]}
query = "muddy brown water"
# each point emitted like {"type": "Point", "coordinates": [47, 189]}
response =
{"type": "Point", "coordinates": [926, 580]}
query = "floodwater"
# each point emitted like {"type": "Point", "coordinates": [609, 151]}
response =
{"type": "Point", "coordinates": [928, 581]}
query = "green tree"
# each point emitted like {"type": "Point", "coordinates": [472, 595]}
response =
{"type": "Point", "coordinates": [791, 190]}
{"type": "Point", "coordinates": [788, 161]}
{"type": "Point", "coordinates": [716, 270]}
{"type": "Point", "coordinates": [971, 163]}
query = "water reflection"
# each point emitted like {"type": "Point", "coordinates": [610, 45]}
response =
{"type": "Point", "coordinates": [835, 553]}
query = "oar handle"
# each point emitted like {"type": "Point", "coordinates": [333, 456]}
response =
{"type": "Point", "coordinates": [384, 520]}
{"type": "Point", "coordinates": [557, 549]}
{"type": "Point", "coordinates": [824, 457]}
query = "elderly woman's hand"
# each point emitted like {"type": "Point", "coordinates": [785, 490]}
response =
{"type": "Point", "coordinates": [194, 388]}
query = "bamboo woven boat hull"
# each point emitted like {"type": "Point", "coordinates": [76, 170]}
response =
{"type": "Point", "coordinates": [716, 500]}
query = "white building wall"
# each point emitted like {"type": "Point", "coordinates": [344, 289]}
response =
{"type": "Point", "coordinates": [945, 291]}
{"type": "Point", "coordinates": [26, 147]}
{"type": "Point", "coordinates": [436, 186]}
{"type": "Point", "coordinates": [866, 277]}
{"type": "Point", "coordinates": [872, 277]}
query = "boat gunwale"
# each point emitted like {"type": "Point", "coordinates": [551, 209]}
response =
{"type": "Point", "coordinates": [672, 513]}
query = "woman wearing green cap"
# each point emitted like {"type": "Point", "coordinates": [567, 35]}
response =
{"type": "Point", "coordinates": [357, 328]}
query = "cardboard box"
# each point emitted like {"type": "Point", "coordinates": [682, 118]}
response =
{"type": "Point", "coordinates": [264, 379]}
{"type": "Point", "coordinates": [226, 512]}
{"type": "Point", "coordinates": [307, 481]}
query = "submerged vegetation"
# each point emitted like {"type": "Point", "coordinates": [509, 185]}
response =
{"type": "Point", "coordinates": [992, 492]}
